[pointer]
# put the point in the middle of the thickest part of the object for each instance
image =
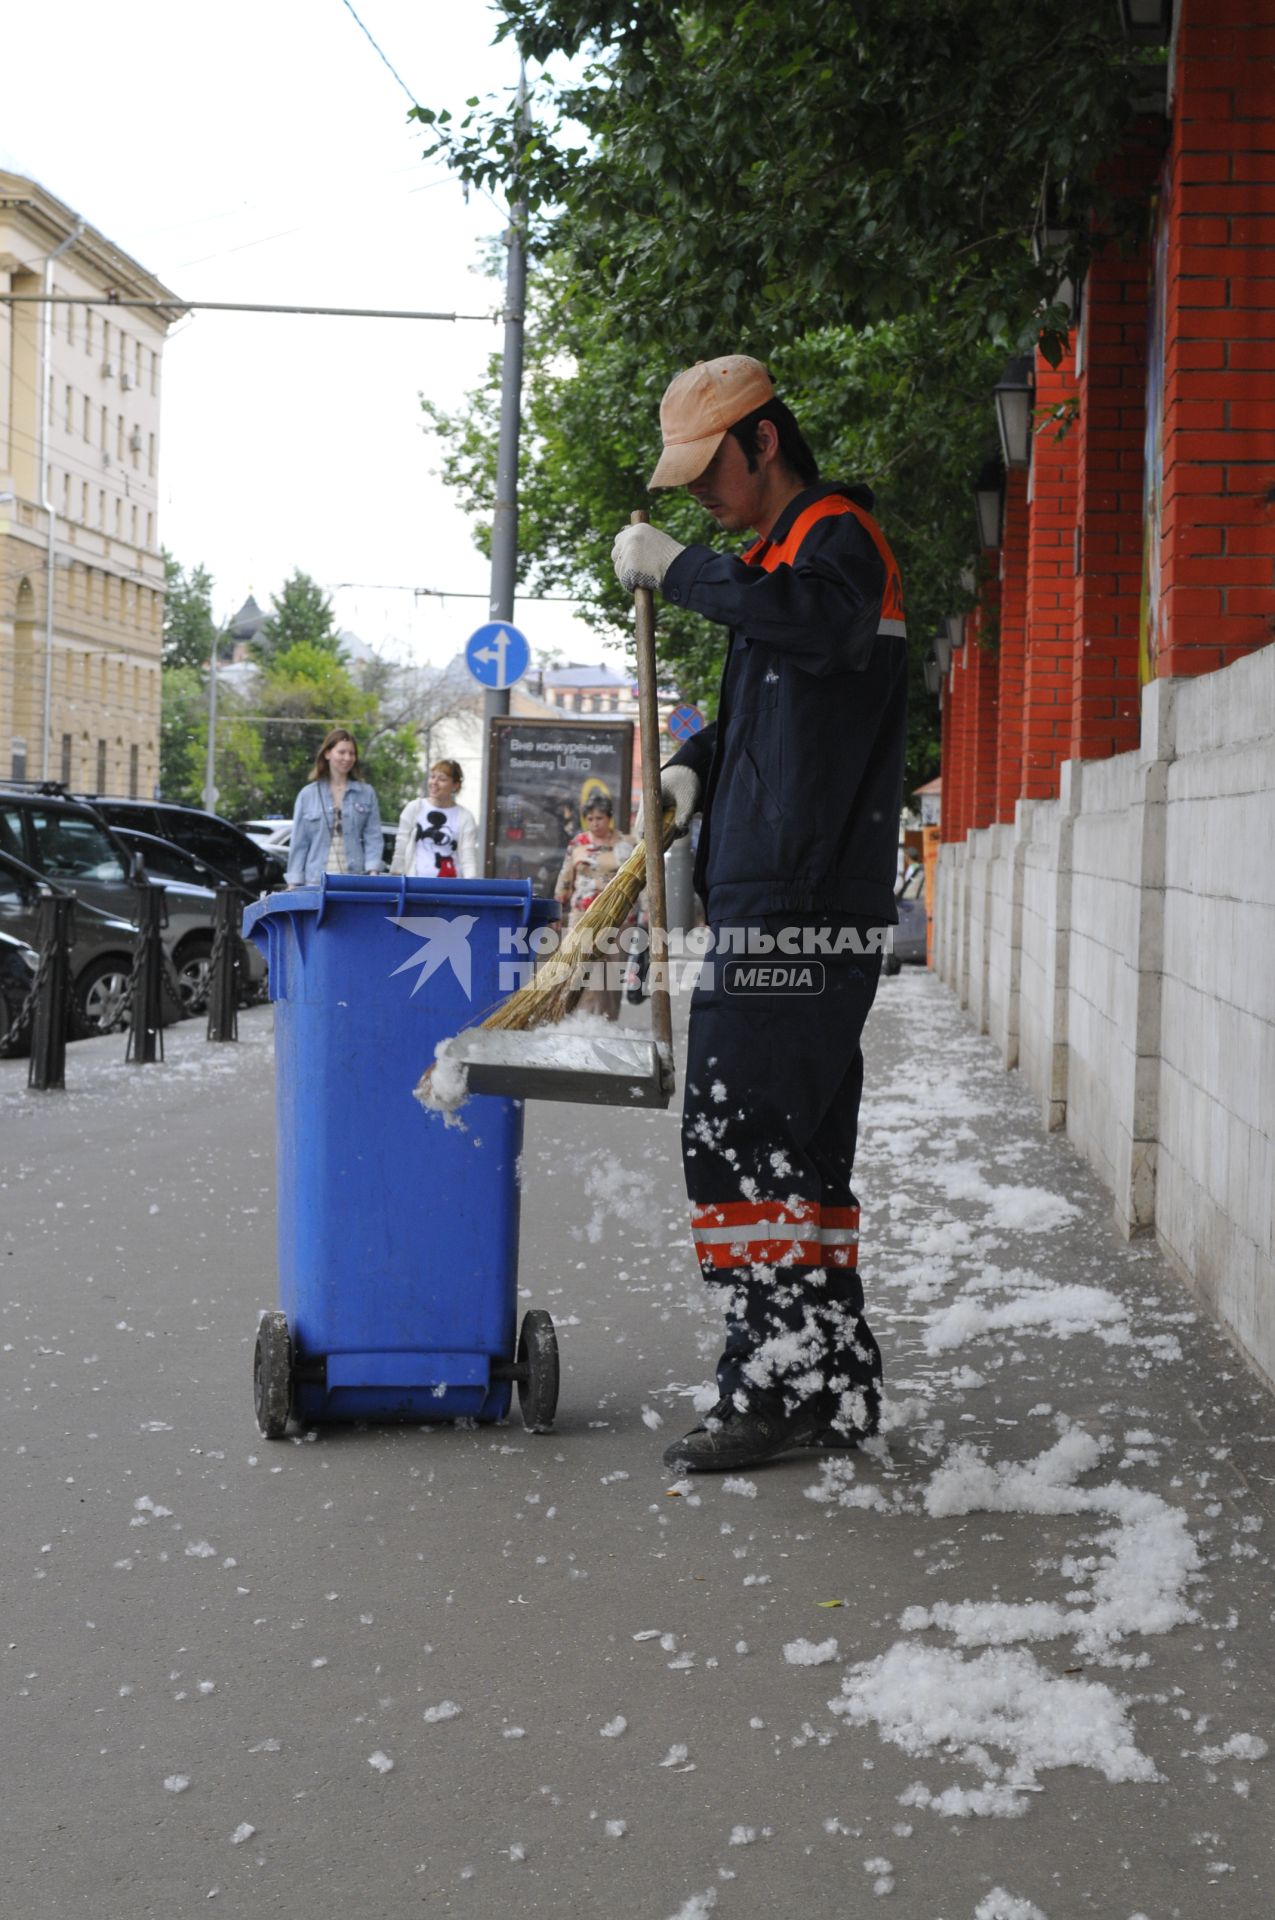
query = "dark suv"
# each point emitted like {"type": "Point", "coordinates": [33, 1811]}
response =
{"type": "Point", "coordinates": [101, 953]}
{"type": "Point", "coordinates": [221, 846]}
{"type": "Point", "coordinates": [68, 845]}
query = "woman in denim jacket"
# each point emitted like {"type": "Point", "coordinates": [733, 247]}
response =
{"type": "Point", "coordinates": [336, 823]}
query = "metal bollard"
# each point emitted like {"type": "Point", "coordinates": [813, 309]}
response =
{"type": "Point", "coordinates": [46, 1069]}
{"type": "Point", "coordinates": [226, 966]}
{"type": "Point", "coordinates": [146, 993]}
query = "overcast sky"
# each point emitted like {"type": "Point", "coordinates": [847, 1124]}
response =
{"type": "Point", "coordinates": [259, 150]}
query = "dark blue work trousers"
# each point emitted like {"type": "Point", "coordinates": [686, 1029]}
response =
{"type": "Point", "coordinates": [770, 1120]}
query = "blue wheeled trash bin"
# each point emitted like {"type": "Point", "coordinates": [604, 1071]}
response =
{"type": "Point", "coordinates": [398, 1234]}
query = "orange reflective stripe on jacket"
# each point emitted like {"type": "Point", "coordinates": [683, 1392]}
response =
{"type": "Point", "coordinates": [783, 553]}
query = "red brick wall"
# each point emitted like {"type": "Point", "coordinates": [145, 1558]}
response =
{"type": "Point", "coordinates": [947, 764]}
{"type": "Point", "coordinates": [1110, 431]}
{"type": "Point", "coordinates": [964, 701]}
{"type": "Point", "coordinates": [1218, 540]}
{"type": "Point", "coordinates": [984, 673]}
{"type": "Point", "coordinates": [1013, 649]}
{"type": "Point", "coordinates": [1050, 588]}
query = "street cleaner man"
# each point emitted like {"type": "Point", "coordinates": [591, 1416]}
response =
{"type": "Point", "coordinates": [800, 781]}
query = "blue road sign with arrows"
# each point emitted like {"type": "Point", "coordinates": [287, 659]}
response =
{"type": "Point", "coordinates": [497, 654]}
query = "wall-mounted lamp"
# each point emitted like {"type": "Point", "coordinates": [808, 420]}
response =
{"type": "Point", "coordinates": [955, 624]}
{"type": "Point", "coordinates": [1147, 23]}
{"type": "Point", "coordinates": [942, 654]}
{"type": "Point", "coordinates": [933, 676]}
{"type": "Point", "coordinates": [1013, 396]}
{"type": "Point", "coordinates": [987, 504]}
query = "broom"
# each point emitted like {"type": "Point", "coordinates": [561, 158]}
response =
{"type": "Point", "coordinates": [559, 983]}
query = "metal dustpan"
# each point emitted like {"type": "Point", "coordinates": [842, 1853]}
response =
{"type": "Point", "coordinates": [548, 1063]}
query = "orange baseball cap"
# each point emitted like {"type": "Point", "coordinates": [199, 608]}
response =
{"type": "Point", "coordinates": [698, 407]}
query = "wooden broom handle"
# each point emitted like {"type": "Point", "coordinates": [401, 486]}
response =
{"type": "Point", "coordinates": [652, 809]}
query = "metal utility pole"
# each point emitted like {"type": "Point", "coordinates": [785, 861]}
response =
{"type": "Point", "coordinates": [504, 525]}
{"type": "Point", "coordinates": [210, 759]}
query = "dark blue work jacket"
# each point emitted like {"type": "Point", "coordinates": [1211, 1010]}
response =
{"type": "Point", "coordinates": [802, 771]}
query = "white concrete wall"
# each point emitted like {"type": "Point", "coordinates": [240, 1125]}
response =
{"type": "Point", "coordinates": [1119, 946]}
{"type": "Point", "coordinates": [1215, 1185]}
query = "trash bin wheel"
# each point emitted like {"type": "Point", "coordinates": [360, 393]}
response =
{"type": "Point", "coordinates": [272, 1375]}
{"type": "Point", "coordinates": [537, 1373]}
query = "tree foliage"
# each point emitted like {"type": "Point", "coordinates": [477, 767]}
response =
{"type": "Point", "coordinates": [189, 626]}
{"type": "Point", "coordinates": [719, 169]}
{"type": "Point", "coordinates": [269, 732]}
{"type": "Point", "coordinates": [301, 614]}
{"type": "Point", "coordinates": [851, 192]}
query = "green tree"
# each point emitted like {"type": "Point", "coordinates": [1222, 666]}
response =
{"type": "Point", "coordinates": [189, 626]}
{"type": "Point", "coordinates": [299, 615]}
{"type": "Point", "coordinates": [183, 734]}
{"type": "Point", "coordinates": [711, 174]}
{"type": "Point", "coordinates": [879, 200]}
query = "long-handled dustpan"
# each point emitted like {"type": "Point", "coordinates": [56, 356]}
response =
{"type": "Point", "coordinates": [616, 1068]}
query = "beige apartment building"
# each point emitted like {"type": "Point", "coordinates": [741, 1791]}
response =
{"type": "Point", "coordinates": [80, 387]}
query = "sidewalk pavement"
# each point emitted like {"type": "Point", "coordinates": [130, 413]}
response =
{"type": "Point", "coordinates": [1013, 1662]}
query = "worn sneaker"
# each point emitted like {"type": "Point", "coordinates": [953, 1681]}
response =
{"type": "Point", "coordinates": [727, 1438]}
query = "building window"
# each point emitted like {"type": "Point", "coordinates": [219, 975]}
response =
{"type": "Point", "coordinates": [150, 455]}
{"type": "Point", "coordinates": [150, 529]}
{"type": "Point", "coordinates": [70, 326]}
{"type": "Point", "coordinates": [133, 513]}
{"type": "Point", "coordinates": [66, 752]}
{"type": "Point", "coordinates": [66, 496]}
{"type": "Point", "coordinates": [88, 330]}
{"type": "Point", "coordinates": [88, 419]}
{"type": "Point", "coordinates": [119, 436]}
{"type": "Point", "coordinates": [119, 519]}
{"type": "Point", "coordinates": [70, 405]}
{"type": "Point", "coordinates": [133, 772]}
{"type": "Point", "coordinates": [17, 759]}
{"type": "Point", "coordinates": [106, 430]}
{"type": "Point", "coordinates": [101, 767]}
{"type": "Point", "coordinates": [137, 363]}
{"type": "Point", "coordinates": [84, 503]}
{"type": "Point", "coordinates": [101, 508]}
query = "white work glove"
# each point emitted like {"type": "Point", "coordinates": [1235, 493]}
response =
{"type": "Point", "coordinates": [642, 555]}
{"type": "Point", "coordinates": [679, 789]}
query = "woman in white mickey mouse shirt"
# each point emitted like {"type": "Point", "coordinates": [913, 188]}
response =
{"type": "Point", "coordinates": [437, 839]}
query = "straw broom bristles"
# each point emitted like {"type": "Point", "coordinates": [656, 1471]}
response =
{"type": "Point", "coordinates": [559, 982]}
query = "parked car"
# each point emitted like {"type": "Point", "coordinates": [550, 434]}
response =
{"type": "Point", "coordinates": [67, 844]}
{"type": "Point", "coordinates": [163, 861]}
{"type": "Point", "coordinates": [283, 842]}
{"type": "Point", "coordinates": [101, 951]}
{"type": "Point", "coordinates": [909, 935]}
{"type": "Point", "coordinates": [18, 964]}
{"type": "Point", "coordinates": [269, 831]}
{"type": "Point", "coordinates": [221, 846]}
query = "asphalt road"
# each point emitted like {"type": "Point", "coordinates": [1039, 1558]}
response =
{"type": "Point", "coordinates": [377, 1671]}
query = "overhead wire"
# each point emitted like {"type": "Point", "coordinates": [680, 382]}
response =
{"type": "Point", "coordinates": [381, 54]}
